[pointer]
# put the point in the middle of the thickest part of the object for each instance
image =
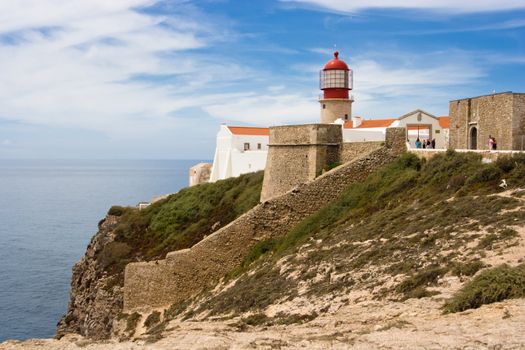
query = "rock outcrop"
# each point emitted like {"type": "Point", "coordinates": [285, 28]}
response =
{"type": "Point", "coordinates": [96, 296]}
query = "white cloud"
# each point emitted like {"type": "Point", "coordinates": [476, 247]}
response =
{"type": "Point", "coordinates": [106, 66]}
{"type": "Point", "coordinates": [267, 110]}
{"type": "Point", "coordinates": [462, 6]}
{"type": "Point", "coordinates": [83, 63]}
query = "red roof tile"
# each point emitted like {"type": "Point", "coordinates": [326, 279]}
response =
{"type": "Point", "coordinates": [248, 130]}
{"type": "Point", "coordinates": [372, 123]}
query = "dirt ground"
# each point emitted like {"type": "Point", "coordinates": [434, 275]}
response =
{"type": "Point", "coordinates": [413, 324]}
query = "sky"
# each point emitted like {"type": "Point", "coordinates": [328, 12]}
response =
{"type": "Point", "coordinates": [154, 79]}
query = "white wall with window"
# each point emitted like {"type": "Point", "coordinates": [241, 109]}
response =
{"type": "Point", "coordinates": [239, 150]}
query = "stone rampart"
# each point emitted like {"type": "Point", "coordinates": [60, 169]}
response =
{"type": "Point", "coordinates": [353, 150]}
{"type": "Point", "coordinates": [187, 272]}
{"type": "Point", "coordinates": [297, 154]}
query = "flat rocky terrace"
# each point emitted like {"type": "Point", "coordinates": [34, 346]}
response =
{"type": "Point", "coordinates": [416, 323]}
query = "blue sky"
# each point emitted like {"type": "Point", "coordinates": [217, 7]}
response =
{"type": "Point", "coordinates": [154, 79]}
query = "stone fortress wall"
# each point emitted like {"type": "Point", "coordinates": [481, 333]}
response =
{"type": "Point", "coordinates": [298, 154]}
{"type": "Point", "coordinates": [186, 272]}
{"type": "Point", "coordinates": [518, 122]}
{"type": "Point", "coordinates": [352, 150]}
{"type": "Point", "coordinates": [490, 115]}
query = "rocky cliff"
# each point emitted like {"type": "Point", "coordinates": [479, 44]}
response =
{"type": "Point", "coordinates": [129, 235]}
{"type": "Point", "coordinates": [96, 293]}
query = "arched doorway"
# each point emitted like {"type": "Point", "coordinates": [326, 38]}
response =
{"type": "Point", "coordinates": [473, 138]}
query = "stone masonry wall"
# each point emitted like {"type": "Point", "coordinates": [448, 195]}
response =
{"type": "Point", "coordinates": [352, 150]}
{"type": "Point", "coordinates": [491, 114]}
{"type": "Point", "coordinates": [518, 122]}
{"type": "Point", "coordinates": [187, 272]}
{"type": "Point", "coordinates": [332, 109]}
{"type": "Point", "coordinates": [297, 154]}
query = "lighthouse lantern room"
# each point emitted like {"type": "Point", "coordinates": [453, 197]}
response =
{"type": "Point", "coordinates": [336, 80]}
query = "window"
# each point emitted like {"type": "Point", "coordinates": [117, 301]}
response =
{"type": "Point", "coordinates": [324, 106]}
{"type": "Point", "coordinates": [438, 131]}
{"type": "Point", "coordinates": [346, 116]}
{"type": "Point", "coordinates": [259, 146]}
{"type": "Point", "coordinates": [334, 79]}
{"type": "Point", "coordinates": [246, 146]}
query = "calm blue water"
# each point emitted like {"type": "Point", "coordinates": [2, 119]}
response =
{"type": "Point", "coordinates": [49, 210]}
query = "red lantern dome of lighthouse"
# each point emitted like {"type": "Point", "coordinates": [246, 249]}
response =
{"type": "Point", "coordinates": [335, 79]}
{"type": "Point", "coordinates": [336, 63]}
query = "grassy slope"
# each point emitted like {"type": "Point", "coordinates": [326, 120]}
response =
{"type": "Point", "coordinates": [179, 221]}
{"type": "Point", "coordinates": [412, 219]}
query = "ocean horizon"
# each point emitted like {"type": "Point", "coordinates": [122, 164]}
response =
{"type": "Point", "coordinates": [49, 210]}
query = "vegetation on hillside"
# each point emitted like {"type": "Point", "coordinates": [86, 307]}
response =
{"type": "Point", "coordinates": [497, 284]}
{"type": "Point", "coordinates": [179, 221]}
{"type": "Point", "coordinates": [411, 221]}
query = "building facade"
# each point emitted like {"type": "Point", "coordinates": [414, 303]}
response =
{"type": "Point", "coordinates": [500, 115]}
{"type": "Point", "coordinates": [419, 125]}
{"type": "Point", "coordinates": [239, 150]}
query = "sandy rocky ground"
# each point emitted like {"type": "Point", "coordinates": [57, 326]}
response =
{"type": "Point", "coordinates": [413, 324]}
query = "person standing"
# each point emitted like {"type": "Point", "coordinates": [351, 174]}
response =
{"type": "Point", "coordinates": [494, 144]}
{"type": "Point", "coordinates": [433, 143]}
{"type": "Point", "coordinates": [418, 143]}
{"type": "Point", "coordinates": [491, 143]}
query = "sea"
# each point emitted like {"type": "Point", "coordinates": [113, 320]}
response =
{"type": "Point", "coordinates": [49, 210]}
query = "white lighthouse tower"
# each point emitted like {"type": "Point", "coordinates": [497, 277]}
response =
{"type": "Point", "coordinates": [336, 80]}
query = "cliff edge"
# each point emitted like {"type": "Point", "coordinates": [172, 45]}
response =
{"type": "Point", "coordinates": [131, 235]}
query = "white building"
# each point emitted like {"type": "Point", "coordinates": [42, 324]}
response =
{"type": "Point", "coordinates": [419, 124]}
{"type": "Point", "coordinates": [239, 150]}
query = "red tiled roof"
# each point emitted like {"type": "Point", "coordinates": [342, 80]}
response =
{"type": "Point", "coordinates": [248, 130]}
{"type": "Point", "coordinates": [421, 127]}
{"type": "Point", "coordinates": [444, 122]}
{"type": "Point", "coordinates": [372, 123]}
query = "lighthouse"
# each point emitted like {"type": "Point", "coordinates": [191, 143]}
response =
{"type": "Point", "coordinates": [335, 79]}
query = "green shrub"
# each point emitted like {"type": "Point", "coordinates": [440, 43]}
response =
{"type": "Point", "coordinates": [468, 268]}
{"type": "Point", "coordinates": [132, 322]}
{"type": "Point", "coordinates": [506, 163]}
{"type": "Point", "coordinates": [490, 286]}
{"type": "Point", "coordinates": [116, 210]}
{"type": "Point", "coordinates": [489, 240]}
{"type": "Point", "coordinates": [152, 319]}
{"type": "Point", "coordinates": [414, 286]}
{"type": "Point", "coordinates": [489, 173]}
{"type": "Point", "coordinates": [257, 319]}
{"type": "Point", "coordinates": [175, 309]}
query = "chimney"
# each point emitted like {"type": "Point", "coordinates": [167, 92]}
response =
{"type": "Point", "coordinates": [356, 121]}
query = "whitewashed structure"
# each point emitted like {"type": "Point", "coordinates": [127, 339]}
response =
{"type": "Point", "coordinates": [419, 124]}
{"type": "Point", "coordinates": [239, 150]}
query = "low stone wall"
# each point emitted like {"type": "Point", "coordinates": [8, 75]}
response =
{"type": "Point", "coordinates": [486, 155]}
{"type": "Point", "coordinates": [186, 272]}
{"type": "Point", "coordinates": [353, 150]}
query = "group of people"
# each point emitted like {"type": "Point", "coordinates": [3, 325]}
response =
{"type": "Point", "coordinates": [426, 143]}
{"type": "Point", "coordinates": [493, 145]}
